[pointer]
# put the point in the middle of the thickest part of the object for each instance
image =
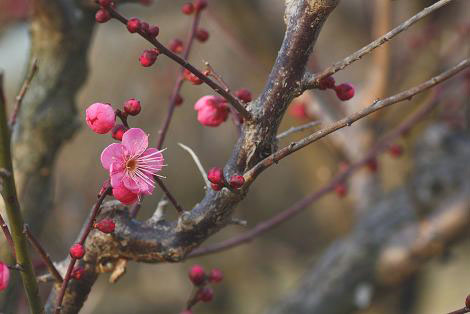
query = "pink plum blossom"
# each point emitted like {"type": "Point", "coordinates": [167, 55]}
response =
{"type": "Point", "coordinates": [211, 110]}
{"type": "Point", "coordinates": [132, 165]}
{"type": "Point", "coordinates": [100, 117]}
{"type": "Point", "coordinates": [4, 276]}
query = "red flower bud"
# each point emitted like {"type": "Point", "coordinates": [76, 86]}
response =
{"type": "Point", "coordinates": [341, 190]}
{"type": "Point", "coordinates": [77, 251]}
{"type": "Point", "coordinates": [148, 57]}
{"type": "Point", "coordinates": [132, 107]}
{"type": "Point", "coordinates": [102, 16]}
{"type": "Point", "coordinates": [243, 94]}
{"type": "Point", "coordinates": [118, 131]}
{"type": "Point", "coordinates": [216, 187]}
{"type": "Point", "coordinates": [178, 100]}
{"type": "Point", "coordinates": [106, 225]}
{"type": "Point", "coordinates": [236, 181]}
{"type": "Point", "coordinates": [200, 5]}
{"type": "Point", "coordinates": [216, 176]}
{"type": "Point", "coordinates": [467, 302]}
{"type": "Point", "coordinates": [153, 31]}
{"type": "Point", "coordinates": [133, 25]}
{"type": "Point", "coordinates": [202, 35]}
{"type": "Point", "coordinates": [191, 77]}
{"type": "Point", "coordinates": [216, 275]}
{"type": "Point", "coordinates": [298, 110]}
{"type": "Point", "coordinates": [197, 275]}
{"type": "Point", "coordinates": [327, 82]}
{"type": "Point", "coordinates": [176, 45]}
{"type": "Point", "coordinates": [206, 294]}
{"type": "Point", "coordinates": [187, 8]}
{"type": "Point", "coordinates": [144, 27]}
{"type": "Point", "coordinates": [78, 273]}
{"type": "Point", "coordinates": [345, 91]}
{"type": "Point", "coordinates": [104, 3]}
{"type": "Point", "coordinates": [372, 165]}
{"type": "Point", "coordinates": [395, 150]}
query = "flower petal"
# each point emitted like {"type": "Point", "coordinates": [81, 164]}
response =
{"type": "Point", "coordinates": [116, 172]}
{"type": "Point", "coordinates": [135, 141]}
{"type": "Point", "coordinates": [151, 161]}
{"type": "Point", "coordinates": [114, 153]}
{"type": "Point", "coordinates": [124, 195]}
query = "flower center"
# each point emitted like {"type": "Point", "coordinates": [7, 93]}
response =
{"type": "Point", "coordinates": [131, 164]}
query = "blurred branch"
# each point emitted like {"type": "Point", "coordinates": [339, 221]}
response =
{"type": "Point", "coordinates": [390, 241]}
{"type": "Point", "coordinates": [349, 120]}
{"type": "Point", "coordinates": [13, 210]}
{"type": "Point", "coordinates": [23, 90]}
{"type": "Point", "coordinates": [311, 80]}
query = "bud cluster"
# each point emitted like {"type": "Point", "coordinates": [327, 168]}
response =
{"type": "Point", "coordinates": [201, 280]}
{"type": "Point", "coordinates": [344, 91]}
{"type": "Point", "coordinates": [217, 179]}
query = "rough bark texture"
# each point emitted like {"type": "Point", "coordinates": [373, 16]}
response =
{"type": "Point", "coordinates": [165, 241]}
{"type": "Point", "coordinates": [395, 236]}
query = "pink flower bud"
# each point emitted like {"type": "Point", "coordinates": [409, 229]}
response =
{"type": "Point", "coordinates": [327, 82]}
{"type": "Point", "coordinates": [197, 275]}
{"type": "Point", "coordinates": [176, 45]}
{"type": "Point", "coordinates": [124, 195]}
{"type": "Point", "coordinates": [216, 175]}
{"type": "Point", "coordinates": [78, 273]}
{"type": "Point", "coordinates": [187, 8]}
{"type": "Point", "coordinates": [77, 251]}
{"type": "Point", "coordinates": [341, 190]}
{"type": "Point", "coordinates": [118, 131]}
{"type": "Point", "coordinates": [202, 35]}
{"type": "Point", "coordinates": [153, 31]}
{"type": "Point", "coordinates": [104, 3]}
{"type": "Point", "coordinates": [216, 187]}
{"type": "Point", "coordinates": [148, 57]}
{"type": "Point", "coordinates": [144, 27]}
{"type": "Point", "coordinates": [298, 110]}
{"type": "Point", "coordinates": [191, 77]}
{"type": "Point", "coordinates": [216, 275]}
{"type": "Point", "coordinates": [133, 25]}
{"type": "Point", "coordinates": [100, 117]}
{"type": "Point", "coordinates": [178, 100]}
{"type": "Point", "coordinates": [106, 225]}
{"type": "Point", "coordinates": [4, 276]}
{"type": "Point", "coordinates": [395, 150]}
{"type": "Point", "coordinates": [200, 5]}
{"type": "Point", "coordinates": [102, 16]}
{"type": "Point", "coordinates": [244, 95]}
{"type": "Point", "coordinates": [206, 294]}
{"type": "Point", "coordinates": [345, 91]}
{"type": "Point", "coordinates": [132, 107]}
{"type": "Point", "coordinates": [211, 110]}
{"type": "Point", "coordinates": [236, 181]}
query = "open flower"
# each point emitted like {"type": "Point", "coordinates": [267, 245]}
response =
{"type": "Point", "coordinates": [211, 110]}
{"type": "Point", "coordinates": [4, 276]}
{"type": "Point", "coordinates": [132, 165]}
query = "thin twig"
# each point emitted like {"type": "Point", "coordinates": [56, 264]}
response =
{"type": "Point", "coordinates": [217, 76]}
{"type": "Point", "coordinates": [301, 205]}
{"type": "Point", "coordinates": [299, 128]}
{"type": "Point", "coordinates": [7, 234]}
{"type": "Point", "coordinates": [198, 164]}
{"type": "Point", "coordinates": [216, 87]}
{"type": "Point", "coordinates": [312, 80]}
{"type": "Point", "coordinates": [45, 257]}
{"type": "Point", "coordinates": [23, 90]}
{"type": "Point", "coordinates": [168, 194]}
{"type": "Point", "coordinates": [349, 120]}
{"type": "Point", "coordinates": [179, 80]}
{"type": "Point", "coordinates": [460, 311]}
{"type": "Point", "coordinates": [68, 275]}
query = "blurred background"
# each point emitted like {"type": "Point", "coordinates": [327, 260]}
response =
{"type": "Point", "coordinates": [244, 38]}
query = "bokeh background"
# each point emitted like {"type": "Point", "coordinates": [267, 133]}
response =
{"type": "Point", "coordinates": [244, 38]}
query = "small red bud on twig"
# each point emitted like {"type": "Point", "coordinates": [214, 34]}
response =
{"type": "Point", "coordinates": [244, 95]}
{"type": "Point", "coordinates": [106, 225]}
{"type": "Point", "coordinates": [102, 16]}
{"type": "Point", "coordinates": [187, 8]}
{"type": "Point", "coordinates": [153, 31]}
{"type": "Point", "coordinates": [197, 275]}
{"type": "Point", "coordinates": [118, 131]}
{"type": "Point", "coordinates": [77, 251]}
{"type": "Point", "coordinates": [345, 91]}
{"type": "Point", "coordinates": [202, 35]}
{"type": "Point", "coordinates": [78, 273]}
{"type": "Point", "coordinates": [178, 100]}
{"type": "Point", "coordinates": [133, 25]}
{"type": "Point", "coordinates": [148, 57]}
{"type": "Point", "coordinates": [326, 83]}
{"type": "Point", "coordinates": [176, 45]}
{"type": "Point", "coordinates": [236, 181]}
{"type": "Point", "coordinates": [206, 294]}
{"type": "Point", "coordinates": [216, 275]}
{"type": "Point", "coordinates": [191, 77]}
{"type": "Point", "coordinates": [216, 175]}
{"type": "Point", "coordinates": [132, 107]}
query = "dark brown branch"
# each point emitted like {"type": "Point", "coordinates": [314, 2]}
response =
{"type": "Point", "coordinates": [23, 90]}
{"type": "Point", "coordinates": [179, 81]}
{"type": "Point", "coordinates": [311, 80]}
{"type": "Point", "coordinates": [237, 105]}
{"type": "Point", "coordinates": [45, 257]}
{"type": "Point", "coordinates": [301, 205]}
{"type": "Point", "coordinates": [349, 120]}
